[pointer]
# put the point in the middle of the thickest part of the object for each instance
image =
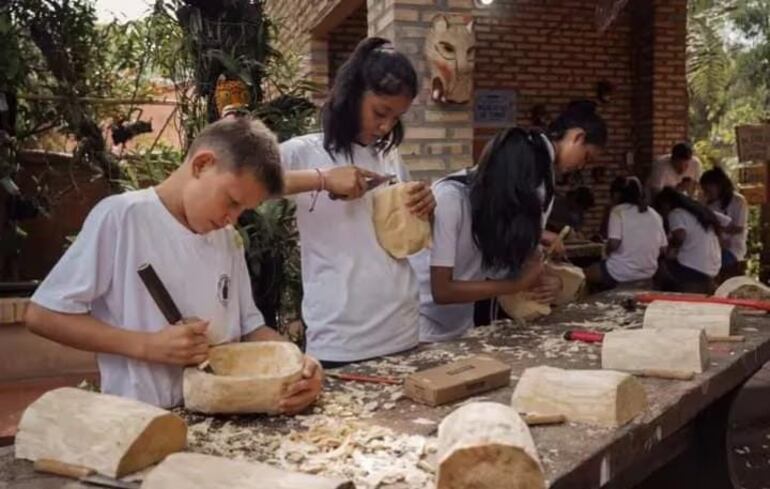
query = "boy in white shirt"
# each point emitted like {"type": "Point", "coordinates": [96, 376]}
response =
{"type": "Point", "coordinates": [680, 170]}
{"type": "Point", "coordinates": [94, 300]}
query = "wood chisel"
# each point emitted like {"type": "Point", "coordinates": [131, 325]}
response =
{"type": "Point", "coordinates": [81, 473]}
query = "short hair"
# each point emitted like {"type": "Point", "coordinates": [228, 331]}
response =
{"type": "Point", "coordinates": [244, 144]}
{"type": "Point", "coordinates": [681, 151]}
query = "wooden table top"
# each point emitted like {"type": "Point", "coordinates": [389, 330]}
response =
{"type": "Point", "coordinates": [573, 455]}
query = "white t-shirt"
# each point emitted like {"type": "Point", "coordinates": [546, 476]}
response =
{"type": "Point", "coordinates": [206, 276]}
{"type": "Point", "coordinates": [738, 212]}
{"type": "Point", "coordinates": [641, 236]}
{"type": "Point", "coordinates": [664, 175]}
{"type": "Point", "coordinates": [700, 250]}
{"type": "Point", "coordinates": [359, 302]}
{"type": "Point", "coordinates": [453, 246]}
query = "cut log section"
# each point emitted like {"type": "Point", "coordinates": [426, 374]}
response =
{"type": "Point", "coordinates": [112, 435]}
{"type": "Point", "coordinates": [207, 471]}
{"type": "Point", "coordinates": [398, 230]}
{"type": "Point", "coordinates": [743, 288]}
{"type": "Point", "coordinates": [602, 397]}
{"type": "Point", "coordinates": [486, 445]}
{"type": "Point", "coordinates": [679, 351]}
{"type": "Point", "coordinates": [249, 377]}
{"type": "Point", "coordinates": [714, 319]}
{"type": "Point", "coordinates": [521, 307]}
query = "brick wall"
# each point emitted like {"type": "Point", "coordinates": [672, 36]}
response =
{"type": "Point", "coordinates": [551, 53]}
{"type": "Point", "coordinates": [344, 38]}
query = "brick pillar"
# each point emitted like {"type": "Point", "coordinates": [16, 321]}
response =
{"type": "Point", "coordinates": [439, 138]}
{"type": "Point", "coordinates": [660, 84]}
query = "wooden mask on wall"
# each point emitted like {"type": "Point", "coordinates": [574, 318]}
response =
{"type": "Point", "coordinates": [449, 50]}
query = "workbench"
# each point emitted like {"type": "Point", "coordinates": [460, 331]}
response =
{"type": "Point", "coordinates": [361, 428]}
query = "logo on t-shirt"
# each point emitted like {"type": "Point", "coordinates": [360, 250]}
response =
{"type": "Point", "coordinates": [223, 289]}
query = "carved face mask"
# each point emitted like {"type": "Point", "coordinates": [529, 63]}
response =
{"type": "Point", "coordinates": [449, 49]}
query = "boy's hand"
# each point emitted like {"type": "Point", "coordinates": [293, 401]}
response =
{"type": "Point", "coordinates": [178, 344]}
{"type": "Point", "coordinates": [305, 391]}
{"type": "Point", "coordinates": [421, 200]}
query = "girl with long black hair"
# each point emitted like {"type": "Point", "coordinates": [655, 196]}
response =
{"type": "Point", "coordinates": [358, 302]}
{"type": "Point", "coordinates": [636, 239]}
{"type": "Point", "coordinates": [490, 218]}
{"type": "Point", "coordinates": [693, 237]}
{"type": "Point", "coordinates": [721, 196]}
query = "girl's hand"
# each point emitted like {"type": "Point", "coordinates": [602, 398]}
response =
{"type": "Point", "coordinates": [347, 182]}
{"type": "Point", "coordinates": [421, 201]}
{"type": "Point", "coordinates": [547, 289]}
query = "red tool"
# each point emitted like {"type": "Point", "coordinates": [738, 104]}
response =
{"type": "Point", "coordinates": [363, 378]}
{"type": "Point", "coordinates": [584, 336]}
{"type": "Point", "coordinates": [752, 303]}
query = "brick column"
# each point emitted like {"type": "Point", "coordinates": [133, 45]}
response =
{"type": "Point", "coordinates": [439, 138]}
{"type": "Point", "coordinates": [660, 84]}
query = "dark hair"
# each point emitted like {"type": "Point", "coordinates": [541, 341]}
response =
{"type": "Point", "coordinates": [244, 144]}
{"type": "Point", "coordinates": [506, 210]}
{"type": "Point", "coordinates": [582, 197]}
{"type": "Point", "coordinates": [673, 199]}
{"type": "Point", "coordinates": [717, 177]}
{"type": "Point", "coordinates": [616, 187]}
{"type": "Point", "coordinates": [580, 114]}
{"type": "Point", "coordinates": [632, 193]}
{"type": "Point", "coordinates": [374, 66]}
{"type": "Point", "coordinates": [681, 151]}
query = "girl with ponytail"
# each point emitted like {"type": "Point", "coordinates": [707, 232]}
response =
{"type": "Point", "coordinates": [490, 218]}
{"type": "Point", "coordinates": [358, 302]}
{"type": "Point", "coordinates": [636, 239]}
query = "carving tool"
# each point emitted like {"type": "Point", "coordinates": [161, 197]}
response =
{"type": "Point", "coordinates": [81, 473]}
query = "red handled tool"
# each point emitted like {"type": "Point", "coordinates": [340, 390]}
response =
{"type": "Point", "coordinates": [584, 336]}
{"type": "Point", "coordinates": [363, 378]}
{"type": "Point", "coordinates": [751, 303]}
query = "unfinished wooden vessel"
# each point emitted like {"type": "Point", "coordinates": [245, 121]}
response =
{"type": "Point", "coordinates": [718, 320]}
{"type": "Point", "coordinates": [187, 470]}
{"type": "Point", "coordinates": [602, 397]}
{"type": "Point", "coordinates": [112, 435]}
{"type": "Point", "coordinates": [521, 307]}
{"type": "Point", "coordinates": [486, 445]}
{"type": "Point", "coordinates": [398, 231]}
{"type": "Point", "coordinates": [644, 350]}
{"type": "Point", "coordinates": [743, 288]}
{"type": "Point", "coordinates": [249, 377]}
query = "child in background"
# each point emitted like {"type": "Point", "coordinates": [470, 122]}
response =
{"type": "Point", "coordinates": [720, 196]}
{"type": "Point", "coordinates": [636, 240]}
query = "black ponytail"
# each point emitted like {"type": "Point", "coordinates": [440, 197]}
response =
{"type": "Point", "coordinates": [717, 177]}
{"type": "Point", "coordinates": [580, 114]}
{"type": "Point", "coordinates": [631, 193]}
{"type": "Point", "coordinates": [673, 199]}
{"type": "Point", "coordinates": [506, 210]}
{"type": "Point", "coordinates": [376, 66]}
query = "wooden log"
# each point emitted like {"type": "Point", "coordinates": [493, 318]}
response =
{"type": "Point", "coordinates": [398, 231]}
{"type": "Point", "coordinates": [207, 471]}
{"type": "Point", "coordinates": [249, 377]}
{"type": "Point", "coordinates": [521, 307]}
{"type": "Point", "coordinates": [715, 319]}
{"type": "Point", "coordinates": [743, 288]}
{"type": "Point", "coordinates": [112, 435]}
{"type": "Point", "coordinates": [637, 350]}
{"type": "Point", "coordinates": [486, 445]}
{"type": "Point", "coordinates": [602, 397]}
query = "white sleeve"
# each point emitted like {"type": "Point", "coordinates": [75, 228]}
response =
{"type": "Point", "coordinates": [446, 226]}
{"type": "Point", "coordinates": [741, 214]}
{"type": "Point", "coordinates": [251, 318]}
{"type": "Point", "coordinates": [85, 271]}
{"type": "Point", "coordinates": [291, 152]}
{"type": "Point", "coordinates": [677, 220]}
{"type": "Point", "coordinates": [615, 224]}
{"type": "Point", "coordinates": [655, 181]}
{"type": "Point", "coordinates": [724, 219]}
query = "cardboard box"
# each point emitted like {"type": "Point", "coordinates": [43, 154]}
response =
{"type": "Point", "coordinates": [457, 380]}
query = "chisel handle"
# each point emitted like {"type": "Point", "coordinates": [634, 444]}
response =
{"type": "Point", "coordinates": [63, 469]}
